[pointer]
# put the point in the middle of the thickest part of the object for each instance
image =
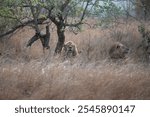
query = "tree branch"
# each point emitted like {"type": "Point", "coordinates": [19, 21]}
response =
{"type": "Point", "coordinates": [40, 21]}
{"type": "Point", "coordinates": [62, 8]}
{"type": "Point", "coordinates": [84, 12]}
{"type": "Point", "coordinates": [35, 16]}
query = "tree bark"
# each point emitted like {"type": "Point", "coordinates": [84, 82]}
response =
{"type": "Point", "coordinates": [143, 9]}
{"type": "Point", "coordinates": [61, 39]}
{"type": "Point", "coordinates": [23, 24]}
{"type": "Point", "coordinates": [32, 40]}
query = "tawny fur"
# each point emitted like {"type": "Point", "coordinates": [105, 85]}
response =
{"type": "Point", "coordinates": [118, 51]}
{"type": "Point", "coordinates": [69, 50]}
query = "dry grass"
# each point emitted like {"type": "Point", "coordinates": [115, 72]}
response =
{"type": "Point", "coordinates": [26, 74]}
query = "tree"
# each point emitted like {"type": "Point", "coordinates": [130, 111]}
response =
{"type": "Point", "coordinates": [63, 13]}
{"type": "Point", "coordinates": [60, 12]}
{"type": "Point", "coordinates": [57, 11]}
{"type": "Point", "coordinates": [143, 8]}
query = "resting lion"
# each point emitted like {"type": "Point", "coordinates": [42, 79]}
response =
{"type": "Point", "coordinates": [118, 51]}
{"type": "Point", "coordinates": [69, 50]}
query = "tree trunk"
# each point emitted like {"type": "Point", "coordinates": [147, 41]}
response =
{"type": "Point", "coordinates": [143, 9]}
{"type": "Point", "coordinates": [61, 39]}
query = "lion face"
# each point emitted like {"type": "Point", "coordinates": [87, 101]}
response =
{"type": "Point", "coordinates": [69, 50]}
{"type": "Point", "coordinates": [69, 47]}
{"type": "Point", "coordinates": [118, 51]}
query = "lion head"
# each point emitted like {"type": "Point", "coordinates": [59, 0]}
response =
{"type": "Point", "coordinates": [118, 51]}
{"type": "Point", "coordinates": [69, 50]}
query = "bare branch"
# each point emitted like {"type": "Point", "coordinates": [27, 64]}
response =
{"type": "Point", "coordinates": [65, 5]}
{"type": "Point", "coordinates": [84, 12]}
{"type": "Point", "coordinates": [35, 16]}
{"type": "Point", "coordinates": [40, 21]}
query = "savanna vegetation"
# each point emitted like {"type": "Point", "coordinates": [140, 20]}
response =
{"type": "Point", "coordinates": [32, 36]}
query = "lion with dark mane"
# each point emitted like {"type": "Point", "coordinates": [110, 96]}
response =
{"type": "Point", "coordinates": [118, 51]}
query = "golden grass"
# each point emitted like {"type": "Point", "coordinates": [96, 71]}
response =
{"type": "Point", "coordinates": [25, 73]}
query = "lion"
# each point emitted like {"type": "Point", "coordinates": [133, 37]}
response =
{"type": "Point", "coordinates": [118, 51]}
{"type": "Point", "coordinates": [69, 50]}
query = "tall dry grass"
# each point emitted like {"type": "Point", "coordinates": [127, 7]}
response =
{"type": "Point", "coordinates": [25, 73]}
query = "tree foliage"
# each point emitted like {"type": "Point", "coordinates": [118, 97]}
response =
{"type": "Point", "coordinates": [63, 13]}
